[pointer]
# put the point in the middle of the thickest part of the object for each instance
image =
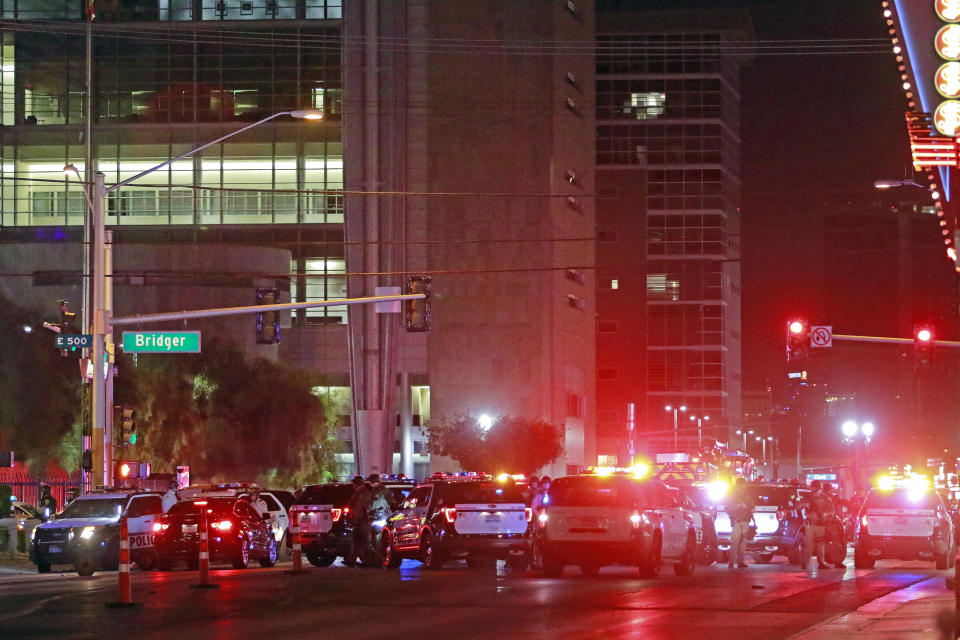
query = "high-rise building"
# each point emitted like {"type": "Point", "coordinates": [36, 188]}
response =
{"type": "Point", "coordinates": [668, 215]}
{"type": "Point", "coordinates": [457, 141]}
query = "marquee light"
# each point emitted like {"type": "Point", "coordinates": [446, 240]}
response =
{"type": "Point", "coordinates": [948, 10]}
{"type": "Point", "coordinates": [947, 79]}
{"type": "Point", "coordinates": [947, 117]}
{"type": "Point", "coordinates": [947, 42]}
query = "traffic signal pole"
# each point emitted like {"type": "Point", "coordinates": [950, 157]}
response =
{"type": "Point", "coordinates": [102, 441]}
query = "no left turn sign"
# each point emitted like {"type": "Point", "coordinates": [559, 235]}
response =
{"type": "Point", "coordinates": [821, 336]}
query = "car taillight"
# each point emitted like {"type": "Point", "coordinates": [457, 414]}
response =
{"type": "Point", "coordinates": [635, 520]}
{"type": "Point", "coordinates": [781, 515]}
{"type": "Point", "coordinates": [529, 513]}
{"type": "Point", "coordinates": [160, 526]}
{"type": "Point", "coordinates": [335, 514]}
{"type": "Point", "coordinates": [863, 520]}
{"type": "Point", "coordinates": [542, 519]}
{"type": "Point", "coordinates": [450, 513]}
{"type": "Point", "coordinates": [223, 525]}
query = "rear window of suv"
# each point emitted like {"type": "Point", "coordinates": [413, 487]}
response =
{"type": "Point", "coordinates": [217, 505]}
{"type": "Point", "coordinates": [592, 492]}
{"type": "Point", "coordinates": [771, 496]}
{"type": "Point", "coordinates": [480, 492]}
{"type": "Point", "coordinates": [335, 494]}
{"type": "Point", "coordinates": [902, 499]}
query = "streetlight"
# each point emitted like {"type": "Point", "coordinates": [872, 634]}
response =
{"type": "Point", "coordinates": [675, 425]}
{"type": "Point", "coordinates": [485, 422]}
{"type": "Point", "coordinates": [699, 429]}
{"type": "Point", "coordinates": [859, 436]}
{"type": "Point", "coordinates": [909, 182]}
{"type": "Point", "coordinates": [103, 292]}
{"type": "Point", "coordinates": [744, 433]}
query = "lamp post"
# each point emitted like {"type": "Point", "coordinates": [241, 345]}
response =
{"type": "Point", "coordinates": [699, 420]}
{"type": "Point", "coordinates": [859, 436]}
{"type": "Point", "coordinates": [103, 293]}
{"type": "Point", "coordinates": [744, 433]}
{"type": "Point", "coordinates": [676, 427]}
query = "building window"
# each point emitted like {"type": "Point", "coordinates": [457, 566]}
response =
{"type": "Point", "coordinates": [646, 106]}
{"type": "Point", "coordinates": [608, 236]}
{"type": "Point", "coordinates": [662, 286]}
{"type": "Point", "coordinates": [608, 326]}
{"type": "Point", "coordinates": [575, 406]}
{"type": "Point", "coordinates": [609, 283]}
{"type": "Point", "coordinates": [607, 374]}
{"type": "Point", "coordinates": [323, 279]}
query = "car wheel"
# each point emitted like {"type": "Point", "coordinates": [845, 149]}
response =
{"type": "Point", "coordinates": [795, 555]}
{"type": "Point", "coordinates": [590, 568]}
{"type": "Point", "coordinates": [862, 561]}
{"type": "Point", "coordinates": [271, 558]}
{"type": "Point", "coordinates": [552, 565]}
{"type": "Point", "coordinates": [283, 551]}
{"type": "Point", "coordinates": [519, 563]}
{"type": "Point", "coordinates": [942, 560]}
{"type": "Point", "coordinates": [764, 558]}
{"type": "Point", "coordinates": [428, 553]}
{"type": "Point", "coordinates": [650, 565]}
{"type": "Point", "coordinates": [391, 559]}
{"type": "Point", "coordinates": [84, 567]}
{"type": "Point", "coordinates": [242, 559]}
{"type": "Point", "coordinates": [43, 567]}
{"type": "Point", "coordinates": [688, 562]}
{"type": "Point", "coordinates": [320, 559]}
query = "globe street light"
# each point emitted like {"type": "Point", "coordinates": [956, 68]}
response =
{"type": "Point", "coordinates": [485, 422]}
{"type": "Point", "coordinates": [676, 427]}
{"type": "Point", "coordinates": [699, 429]}
{"type": "Point", "coordinates": [859, 436]}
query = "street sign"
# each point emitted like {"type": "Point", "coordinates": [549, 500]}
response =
{"type": "Point", "coordinates": [821, 336]}
{"type": "Point", "coordinates": [161, 341]}
{"type": "Point", "coordinates": [79, 341]}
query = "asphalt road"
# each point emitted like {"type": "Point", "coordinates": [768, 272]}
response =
{"type": "Point", "coordinates": [765, 601]}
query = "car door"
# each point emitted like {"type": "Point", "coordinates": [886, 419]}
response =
{"type": "Point", "coordinates": [254, 523]}
{"type": "Point", "coordinates": [278, 516]}
{"type": "Point", "coordinates": [141, 513]}
{"type": "Point", "coordinates": [674, 523]}
{"type": "Point", "coordinates": [411, 515]}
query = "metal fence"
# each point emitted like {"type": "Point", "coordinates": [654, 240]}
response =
{"type": "Point", "coordinates": [26, 487]}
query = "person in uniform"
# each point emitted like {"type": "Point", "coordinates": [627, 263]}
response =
{"type": "Point", "coordinates": [740, 510]}
{"type": "Point", "coordinates": [817, 508]}
{"type": "Point", "coordinates": [360, 521]}
{"type": "Point", "coordinates": [48, 504]}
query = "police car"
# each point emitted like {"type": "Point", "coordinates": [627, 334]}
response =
{"type": "Point", "coordinates": [904, 519]}
{"type": "Point", "coordinates": [694, 499]}
{"type": "Point", "coordinates": [323, 514]}
{"type": "Point", "coordinates": [279, 520]}
{"type": "Point", "coordinates": [472, 517]}
{"type": "Point", "coordinates": [779, 522]}
{"type": "Point", "coordinates": [597, 519]}
{"type": "Point", "coordinates": [86, 534]}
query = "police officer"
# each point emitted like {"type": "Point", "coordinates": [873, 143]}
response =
{"type": "Point", "coordinates": [740, 510]}
{"type": "Point", "coordinates": [817, 508]}
{"type": "Point", "coordinates": [172, 496]}
{"type": "Point", "coordinates": [360, 521]}
{"type": "Point", "coordinates": [48, 504]}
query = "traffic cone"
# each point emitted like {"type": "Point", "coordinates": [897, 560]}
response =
{"type": "Point", "coordinates": [123, 573]}
{"type": "Point", "coordinates": [204, 559]}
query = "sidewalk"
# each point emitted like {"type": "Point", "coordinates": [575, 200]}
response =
{"type": "Point", "coordinates": [909, 613]}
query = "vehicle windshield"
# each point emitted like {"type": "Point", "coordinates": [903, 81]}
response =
{"type": "Point", "coordinates": [94, 508]}
{"type": "Point", "coordinates": [214, 505]}
{"type": "Point", "coordinates": [333, 494]}
{"type": "Point", "coordinates": [30, 510]}
{"type": "Point", "coordinates": [586, 491]}
{"type": "Point", "coordinates": [902, 499]}
{"type": "Point", "coordinates": [765, 495]}
{"type": "Point", "coordinates": [478, 492]}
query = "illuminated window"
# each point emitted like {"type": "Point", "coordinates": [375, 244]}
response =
{"type": "Point", "coordinates": [646, 106]}
{"type": "Point", "coordinates": [324, 279]}
{"type": "Point", "coordinates": [662, 287]}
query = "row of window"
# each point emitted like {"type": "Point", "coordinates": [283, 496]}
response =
{"type": "Point", "coordinates": [173, 10]}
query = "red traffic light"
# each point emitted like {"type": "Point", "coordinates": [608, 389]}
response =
{"type": "Point", "coordinates": [796, 327]}
{"type": "Point", "coordinates": [924, 335]}
{"type": "Point", "coordinates": [124, 470]}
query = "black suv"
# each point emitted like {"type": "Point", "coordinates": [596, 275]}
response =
{"type": "Point", "coordinates": [473, 518]}
{"type": "Point", "coordinates": [779, 522]}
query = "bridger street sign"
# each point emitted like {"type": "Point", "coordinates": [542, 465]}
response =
{"type": "Point", "coordinates": [161, 341]}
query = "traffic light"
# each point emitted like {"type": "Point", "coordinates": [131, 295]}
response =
{"type": "Point", "coordinates": [128, 428]}
{"type": "Point", "coordinates": [268, 322]}
{"type": "Point", "coordinates": [68, 320]}
{"type": "Point", "coordinates": [417, 312]}
{"type": "Point", "coordinates": [798, 340]}
{"type": "Point", "coordinates": [130, 469]}
{"type": "Point", "coordinates": [924, 343]}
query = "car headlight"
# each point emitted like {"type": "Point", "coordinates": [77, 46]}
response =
{"type": "Point", "coordinates": [33, 534]}
{"type": "Point", "coordinates": [87, 533]}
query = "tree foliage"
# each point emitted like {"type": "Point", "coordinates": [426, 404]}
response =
{"type": "Point", "coordinates": [511, 444]}
{"type": "Point", "coordinates": [40, 392]}
{"type": "Point", "coordinates": [229, 418]}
